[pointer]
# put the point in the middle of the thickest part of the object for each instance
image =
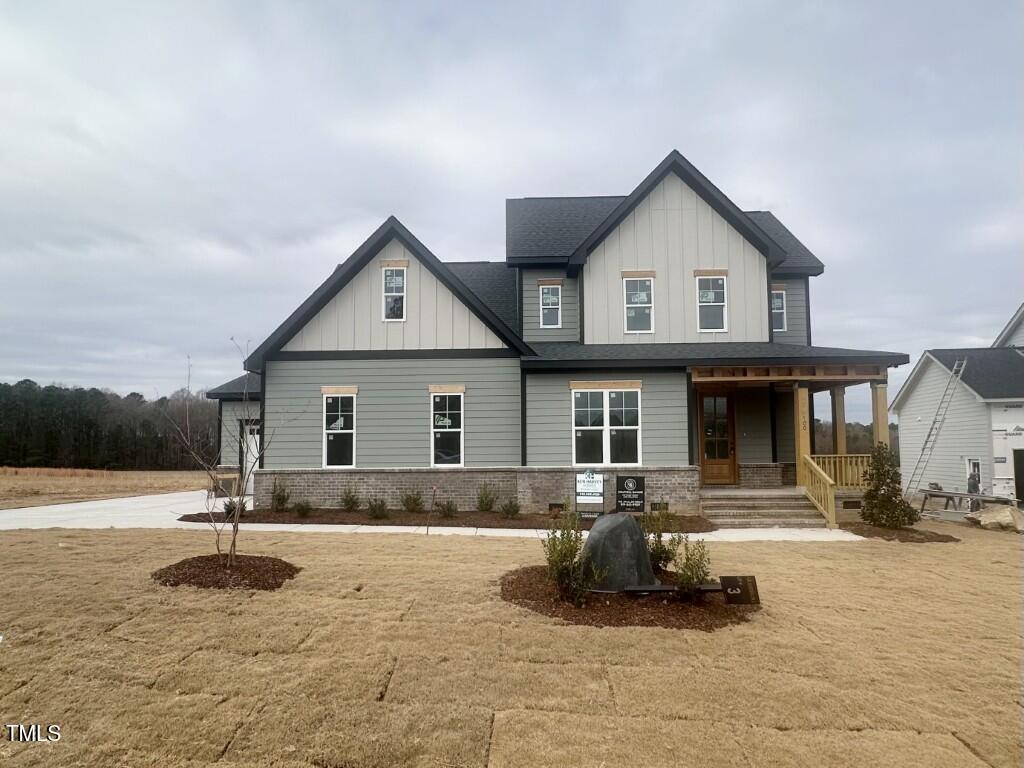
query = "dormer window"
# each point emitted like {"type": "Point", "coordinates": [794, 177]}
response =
{"type": "Point", "coordinates": [394, 294]}
{"type": "Point", "coordinates": [550, 306]}
{"type": "Point", "coordinates": [639, 304]}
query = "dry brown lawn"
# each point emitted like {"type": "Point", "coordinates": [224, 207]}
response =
{"type": "Point", "coordinates": [35, 487]}
{"type": "Point", "coordinates": [397, 650]}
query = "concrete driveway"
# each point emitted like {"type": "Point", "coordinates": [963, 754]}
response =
{"type": "Point", "coordinates": [163, 510]}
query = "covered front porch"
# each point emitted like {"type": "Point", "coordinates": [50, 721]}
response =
{"type": "Point", "coordinates": [755, 425]}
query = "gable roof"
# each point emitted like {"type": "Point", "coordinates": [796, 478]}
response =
{"type": "Point", "coordinates": [799, 259]}
{"type": "Point", "coordinates": [675, 163]}
{"type": "Point", "coordinates": [245, 387]}
{"type": "Point", "coordinates": [391, 229]}
{"type": "Point", "coordinates": [1016, 320]}
{"type": "Point", "coordinates": [991, 373]}
{"type": "Point", "coordinates": [493, 283]}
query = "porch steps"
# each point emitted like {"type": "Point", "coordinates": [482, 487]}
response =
{"type": "Point", "coordinates": [759, 508]}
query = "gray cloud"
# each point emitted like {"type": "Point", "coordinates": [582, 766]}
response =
{"type": "Point", "coordinates": [175, 176]}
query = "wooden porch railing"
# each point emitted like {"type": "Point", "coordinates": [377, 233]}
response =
{"type": "Point", "coordinates": [847, 470]}
{"type": "Point", "coordinates": [821, 490]}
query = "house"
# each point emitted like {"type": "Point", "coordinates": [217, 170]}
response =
{"type": "Point", "coordinates": [983, 429]}
{"type": "Point", "coordinates": [665, 333]}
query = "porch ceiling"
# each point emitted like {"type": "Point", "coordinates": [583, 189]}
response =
{"type": "Point", "coordinates": [815, 376]}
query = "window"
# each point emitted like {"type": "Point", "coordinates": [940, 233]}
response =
{"type": "Point", "coordinates": [778, 310]}
{"type": "Point", "coordinates": [446, 430]}
{"type": "Point", "coordinates": [711, 304]}
{"type": "Point", "coordinates": [550, 306]}
{"type": "Point", "coordinates": [606, 426]}
{"type": "Point", "coordinates": [339, 430]}
{"type": "Point", "coordinates": [394, 294]}
{"type": "Point", "coordinates": [639, 304]}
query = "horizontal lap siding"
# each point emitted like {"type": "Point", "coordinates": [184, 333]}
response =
{"type": "Point", "coordinates": [231, 412]}
{"type": "Point", "coordinates": [392, 410]}
{"type": "Point", "coordinates": [570, 330]}
{"type": "Point", "coordinates": [796, 313]}
{"type": "Point", "coordinates": [966, 432]}
{"type": "Point", "coordinates": [663, 417]}
{"type": "Point", "coordinates": [753, 426]}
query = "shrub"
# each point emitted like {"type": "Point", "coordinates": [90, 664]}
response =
{"type": "Point", "coordinates": [571, 571]}
{"type": "Point", "coordinates": [883, 503]}
{"type": "Point", "coordinates": [231, 505]}
{"type": "Point", "coordinates": [662, 550]}
{"type": "Point", "coordinates": [350, 500]}
{"type": "Point", "coordinates": [693, 567]}
{"type": "Point", "coordinates": [486, 498]}
{"type": "Point", "coordinates": [279, 497]}
{"type": "Point", "coordinates": [377, 509]}
{"type": "Point", "coordinates": [448, 508]}
{"type": "Point", "coordinates": [412, 502]}
{"type": "Point", "coordinates": [302, 508]}
{"type": "Point", "coordinates": [509, 509]}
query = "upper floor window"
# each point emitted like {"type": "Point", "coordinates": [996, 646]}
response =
{"type": "Point", "coordinates": [550, 306]}
{"type": "Point", "coordinates": [778, 310]}
{"type": "Point", "coordinates": [606, 427]}
{"type": "Point", "coordinates": [394, 293]}
{"type": "Point", "coordinates": [639, 307]}
{"type": "Point", "coordinates": [339, 430]}
{"type": "Point", "coordinates": [712, 303]}
{"type": "Point", "coordinates": [446, 430]}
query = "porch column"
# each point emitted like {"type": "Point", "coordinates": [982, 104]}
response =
{"type": "Point", "coordinates": [879, 413]}
{"type": "Point", "coordinates": [801, 429]}
{"type": "Point", "coordinates": [838, 419]}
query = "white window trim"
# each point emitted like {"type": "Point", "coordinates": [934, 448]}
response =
{"type": "Point", "coordinates": [325, 432]}
{"type": "Point", "coordinates": [540, 301]}
{"type": "Point", "coordinates": [606, 450]}
{"type": "Point", "coordinates": [785, 314]}
{"type": "Point", "coordinates": [625, 307]}
{"type": "Point", "coordinates": [462, 430]}
{"type": "Point", "coordinates": [384, 294]}
{"type": "Point", "coordinates": [724, 305]}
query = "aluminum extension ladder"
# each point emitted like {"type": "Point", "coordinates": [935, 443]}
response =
{"type": "Point", "coordinates": [928, 447]}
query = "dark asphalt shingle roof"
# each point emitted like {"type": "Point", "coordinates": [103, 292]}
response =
{"type": "Point", "coordinates": [738, 352]}
{"type": "Point", "coordinates": [798, 257]}
{"type": "Point", "coordinates": [247, 385]}
{"type": "Point", "coordinates": [992, 372]}
{"type": "Point", "coordinates": [551, 228]}
{"type": "Point", "coordinates": [493, 283]}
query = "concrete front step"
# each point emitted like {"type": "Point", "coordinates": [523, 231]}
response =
{"type": "Point", "coordinates": [754, 508]}
{"type": "Point", "coordinates": [763, 505]}
{"type": "Point", "coordinates": [711, 514]}
{"type": "Point", "coordinates": [768, 522]}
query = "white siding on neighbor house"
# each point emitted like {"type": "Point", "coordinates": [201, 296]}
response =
{"type": "Point", "coordinates": [796, 312]}
{"type": "Point", "coordinates": [1015, 337]}
{"type": "Point", "coordinates": [570, 330]}
{"type": "Point", "coordinates": [966, 432]}
{"type": "Point", "coordinates": [1007, 438]}
{"type": "Point", "coordinates": [231, 411]}
{"type": "Point", "coordinates": [354, 319]}
{"type": "Point", "coordinates": [673, 232]}
{"type": "Point", "coordinates": [392, 410]}
{"type": "Point", "coordinates": [663, 416]}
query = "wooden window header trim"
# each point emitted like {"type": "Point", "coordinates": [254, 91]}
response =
{"type": "Point", "coordinates": [394, 263]}
{"type": "Point", "coordinates": [549, 281]}
{"type": "Point", "coordinates": [613, 384]}
{"type": "Point", "coordinates": [632, 274]}
{"type": "Point", "coordinates": [447, 389]}
{"type": "Point", "coordinates": [710, 272]}
{"type": "Point", "coordinates": [339, 390]}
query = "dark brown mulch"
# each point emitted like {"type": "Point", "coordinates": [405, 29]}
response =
{"type": "Point", "coordinates": [684, 523]}
{"type": "Point", "coordinates": [530, 588]}
{"type": "Point", "coordinates": [906, 535]}
{"type": "Point", "coordinates": [209, 572]}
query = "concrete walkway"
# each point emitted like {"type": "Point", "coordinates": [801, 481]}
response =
{"type": "Point", "coordinates": [163, 510]}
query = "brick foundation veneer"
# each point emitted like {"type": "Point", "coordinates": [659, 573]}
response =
{"type": "Point", "coordinates": [761, 476]}
{"type": "Point", "coordinates": [535, 488]}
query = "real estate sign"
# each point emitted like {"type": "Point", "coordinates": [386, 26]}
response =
{"type": "Point", "coordinates": [589, 487]}
{"type": "Point", "coordinates": [629, 493]}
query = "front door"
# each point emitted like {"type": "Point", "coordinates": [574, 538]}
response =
{"type": "Point", "coordinates": [718, 439]}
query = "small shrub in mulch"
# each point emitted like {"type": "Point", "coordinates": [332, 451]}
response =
{"type": "Point", "coordinates": [906, 535]}
{"type": "Point", "coordinates": [531, 588]}
{"type": "Point", "coordinates": [209, 572]}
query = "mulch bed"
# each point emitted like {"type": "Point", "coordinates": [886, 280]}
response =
{"type": "Point", "coordinates": [906, 535]}
{"type": "Point", "coordinates": [530, 588]}
{"type": "Point", "coordinates": [208, 572]}
{"type": "Point", "coordinates": [684, 523]}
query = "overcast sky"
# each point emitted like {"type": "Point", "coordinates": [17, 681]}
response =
{"type": "Point", "coordinates": [174, 175]}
